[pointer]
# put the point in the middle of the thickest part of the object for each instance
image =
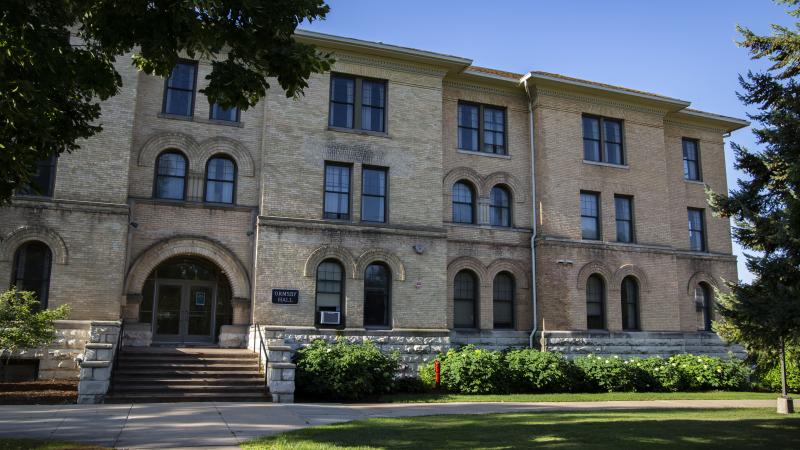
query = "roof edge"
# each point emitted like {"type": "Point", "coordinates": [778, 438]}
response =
{"type": "Point", "coordinates": [728, 123]}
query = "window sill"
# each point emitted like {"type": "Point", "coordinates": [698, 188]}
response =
{"type": "Point", "coordinates": [360, 132]}
{"type": "Point", "coordinates": [195, 204]}
{"type": "Point", "coordinates": [477, 153]}
{"type": "Point", "coordinates": [603, 164]}
{"type": "Point", "coordinates": [224, 123]}
{"type": "Point", "coordinates": [700, 182]}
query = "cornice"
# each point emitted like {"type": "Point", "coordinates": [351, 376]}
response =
{"type": "Point", "coordinates": [599, 101]}
{"type": "Point", "coordinates": [483, 89]}
{"type": "Point", "coordinates": [390, 65]}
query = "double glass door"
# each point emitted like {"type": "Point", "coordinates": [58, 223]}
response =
{"type": "Point", "coordinates": [184, 311]}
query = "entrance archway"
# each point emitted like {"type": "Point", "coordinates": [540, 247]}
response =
{"type": "Point", "coordinates": [186, 299]}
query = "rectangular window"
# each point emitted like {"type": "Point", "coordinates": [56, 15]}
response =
{"type": "Point", "coordinates": [697, 239]}
{"type": "Point", "coordinates": [624, 216]}
{"type": "Point", "coordinates": [43, 179]}
{"type": "Point", "coordinates": [602, 140]}
{"type": "Point", "coordinates": [179, 91]}
{"type": "Point", "coordinates": [357, 103]}
{"type": "Point", "coordinates": [373, 195]}
{"type": "Point", "coordinates": [590, 216]}
{"type": "Point", "coordinates": [691, 159]}
{"type": "Point", "coordinates": [226, 115]}
{"type": "Point", "coordinates": [482, 128]}
{"type": "Point", "coordinates": [337, 192]}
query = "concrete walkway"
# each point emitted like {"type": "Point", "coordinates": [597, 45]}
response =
{"type": "Point", "coordinates": [225, 425]}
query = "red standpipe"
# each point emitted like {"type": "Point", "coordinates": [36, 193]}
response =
{"type": "Point", "coordinates": [437, 368]}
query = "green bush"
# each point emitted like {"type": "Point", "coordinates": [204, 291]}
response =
{"type": "Point", "coordinates": [474, 371]}
{"type": "Point", "coordinates": [703, 373]}
{"type": "Point", "coordinates": [343, 371]}
{"type": "Point", "coordinates": [427, 372]}
{"type": "Point", "coordinates": [613, 374]}
{"type": "Point", "coordinates": [665, 375]}
{"type": "Point", "coordinates": [530, 370]}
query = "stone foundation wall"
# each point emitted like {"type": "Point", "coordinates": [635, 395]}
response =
{"type": "Point", "coordinates": [57, 361]}
{"type": "Point", "coordinates": [98, 361]}
{"type": "Point", "coordinates": [491, 339]}
{"type": "Point", "coordinates": [637, 344]}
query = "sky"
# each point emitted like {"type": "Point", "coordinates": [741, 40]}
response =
{"type": "Point", "coordinates": [678, 48]}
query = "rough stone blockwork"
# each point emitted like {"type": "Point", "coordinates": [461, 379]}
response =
{"type": "Point", "coordinates": [639, 344]}
{"type": "Point", "coordinates": [98, 360]}
{"type": "Point", "coordinates": [58, 361]}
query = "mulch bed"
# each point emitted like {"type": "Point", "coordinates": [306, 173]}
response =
{"type": "Point", "coordinates": [43, 392]}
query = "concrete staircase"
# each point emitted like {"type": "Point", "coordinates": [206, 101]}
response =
{"type": "Point", "coordinates": [187, 374]}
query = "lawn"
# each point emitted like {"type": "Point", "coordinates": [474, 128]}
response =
{"type": "Point", "coordinates": [580, 397]}
{"type": "Point", "coordinates": [662, 429]}
{"type": "Point", "coordinates": [35, 444]}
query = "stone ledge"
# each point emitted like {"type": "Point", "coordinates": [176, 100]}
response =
{"type": "Point", "coordinates": [281, 365]}
{"type": "Point", "coordinates": [106, 323]}
{"type": "Point", "coordinates": [95, 364]}
{"type": "Point", "coordinates": [99, 346]}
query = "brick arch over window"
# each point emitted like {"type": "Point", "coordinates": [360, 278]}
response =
{"type": "Point", "coordinates": [700, 277]}
{"type": "Point", "coordinates": [467, 262]}
{"type": "Point", "coordinates": [230, 147]}
{"type": "Point", "coordinates": [592, 268]}
{"type": "Point", "coordinates": [380, 255]}
{"type": "Point", "coordinates": [631, 270]}
{"type": "Point", "coordinates": [163, 141]}
{"type": "Point", "coordinates": [459, 174]}
{"type": "Point", "coordinates": [165, 249]}
{"type": "Point", "coordinates": [11, 241]}
{"type": "Point", "coordinates": [504, 179]}
{"type": "Point", "coordinates": [330, 252]}
{"type": "Point", "coordinates": [511, 266]}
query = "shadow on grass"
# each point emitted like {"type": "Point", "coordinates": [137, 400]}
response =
{"type": "Point", "coordinates": [729, 429]}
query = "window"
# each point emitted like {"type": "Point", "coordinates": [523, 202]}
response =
{"type": "Point", "coordinates": [465, 294]}
{"type": "Point", "coordinates": [373, 195]}
{"type": "Point", "coordinates": [330, 287]}
{"type": "Point", "coordinates": [358, 103]}
{"type": "Point", "coordinates": [602, 140]}
{"type": "Point", "coordinates": [171, 176]}
{"type": "Point", "coordinates": [463, 203]}
{"type": "Point", "coordinates": [590, 215]}
{"type": "Point", "coordinates": [220, 180]}
{"type": "Point", "coordinates": [43, 179]}
{"type": "Point", "coordinates": [697, 239]}
{"type": "Point", "coordinates": [337, 192]}
{"type": "Point", "coordinates": [500, 207]}
{"type": "Point", "coordinates": [179, 92]}
{"type": "Point", "coordinates": [377, 283]}
{"type": "Point", "coordinates": [503, 300]}
{"type": "Point", "coordinates": [32, 262]}
{"type": "Point", "coordinates": [691, 159]}
{"type": "Point", "coordinates": [704, 301]}
{"type": "Point", "coordinates": [481, 128]}
{"type": "Point", "coordinates": [630, 304]}
{"type": "Point", "coordinates": [595, 303]}
{"type": "Point", "coordinates": [624, 217]}
{"type": "Point", "coordinates": [226, 115]}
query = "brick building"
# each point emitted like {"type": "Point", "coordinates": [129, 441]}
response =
{"type": "Point", "coordinates": [393, 202]}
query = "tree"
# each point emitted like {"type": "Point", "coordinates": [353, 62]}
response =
{"type": "Point", "coordinates": [764, 315]}
{"type": "Point", "coordinates": [23, 324]}
{"type": "Point", "coordinates": [50, 89]}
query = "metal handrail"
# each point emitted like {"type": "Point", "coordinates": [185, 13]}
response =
{"type": "Point", "coordinates": [117, 351]}
{"type": "Point", "coordinates": [262, 348]}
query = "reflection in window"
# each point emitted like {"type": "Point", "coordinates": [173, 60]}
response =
{"type": "Point", "coordinates": [32, 262]}
{"type": "Point", "coordinates": [171, 176]}
{"type": "Point", "coordinates": [220, 180]}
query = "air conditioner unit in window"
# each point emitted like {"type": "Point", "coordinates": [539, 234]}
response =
{"type": "Point", "coordinates": [329, 317]}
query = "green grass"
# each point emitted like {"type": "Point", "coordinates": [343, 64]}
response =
{"type": "Point", "coordinates": [661, 429]}
{"type": "Point", "coordinates": [580, 397]}
{"type": "Point", "coordinates": [35, 444]}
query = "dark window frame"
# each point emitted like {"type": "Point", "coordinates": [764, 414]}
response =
{"type": "Point", "coordinates": [341, 293]}
{"type": "Point", "coordinates": [626, 301]}
{"type": "Point", "coordinates": [234, 182]}
{"type": "Point", "coordinates": [193, 90]}
{"type": "Point", "coordinates": [385, 195]}
{"type": "Point", "coordinates": [602, 140]}
{"type": "Point", "coordinates": [211, 114]}
{"type": "Point", "coordinates": [699, 168]}
{"type": "Point", "coordinates": [338, 216]}
{"type": "Point", "coordinates": [19, 266]}
{"type": "Point", "coordinates": [52, 164]}
{"type": "Point", "coordinates": [481, 128]}
{"type": "Point", "coordinates": [472, 203]}
{"type": "Point", "coordinates": [511, 302]}
{"type": "Point", "coordinates": [631, 221]}
{"type": "Point", "coordinates": [185, 176]}
{"type": "Point", "coordinates": [494, 207]}
{"type": "Point", "coordinates": [357, 104]}
{"type": "Point", "coordinates": [598, 218]}
{"type": "Point", "coordinates": [475, 300]}
{"type": "Point", "coordinates": [601, 302]}
{"type": "Point", "coordinates": [387, 292]}
{"type": "Point", "coordinates": [707, 306]}
{"type": "Point", "coordinates": [703, 242]}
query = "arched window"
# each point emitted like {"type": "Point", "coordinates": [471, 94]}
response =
{"type": "Point", "coordinates": [32, 262]}
{"type": "Point", "coordinates": [465, 300]}
{"type": "Point", "coordinates": [595, 303]}
{"type": "Point", "coordinates": [503, 301]}
{"type": "Point", "coordinates": [220, 180]}
{"type": "Point", "coordinates": [171, 176]}
{"type": "Point", "coordinates": [377, 288]}
{"type": "Point", "coordinates": [705, 302]}
{"type": "Point", "coordinates": [500, 207]}
{"type": "Point", "coordinates": [330, 287]}
{"type": "Point", "coordinates": [463, 203]}
{"type": "Point", "coordinates": [630, 304]}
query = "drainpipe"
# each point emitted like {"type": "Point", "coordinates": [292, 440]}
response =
{"type": "Point", "coordinates": [535, 327]}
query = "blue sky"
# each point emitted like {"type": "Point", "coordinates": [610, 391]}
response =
{"type": "Point", "coordinates": [678, 48]}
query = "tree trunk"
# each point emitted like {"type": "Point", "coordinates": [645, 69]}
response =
{"type": "Point", "coordinates": [784, 391]}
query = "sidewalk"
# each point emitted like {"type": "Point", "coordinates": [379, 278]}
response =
{"type": "Point", "coordinates": [225, 425]}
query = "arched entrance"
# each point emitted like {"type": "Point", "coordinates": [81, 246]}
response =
{"type": "Point", "coordinates": [187, 300]}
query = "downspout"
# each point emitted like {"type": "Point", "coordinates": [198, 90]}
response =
{"type": "Point", "coordinates": [535, 327]}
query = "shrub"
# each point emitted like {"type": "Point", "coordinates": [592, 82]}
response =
{"type": "Point", "coordinates": [613, 374]}
{"type": "Point", "coordinates": [427, 372]}
{"type": "Point", "coordinates": [530, 370]}
{"type": "Point", "coordinates": [473, 371]}
{"type": "Point", "coordinates": [409, 385]}
{"type": "Point", "coordinates": [702, 373]}
{"type": "Point", "coordinates": [665, 375]}
{"type": "Point", "coordinates": [343, 371]}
